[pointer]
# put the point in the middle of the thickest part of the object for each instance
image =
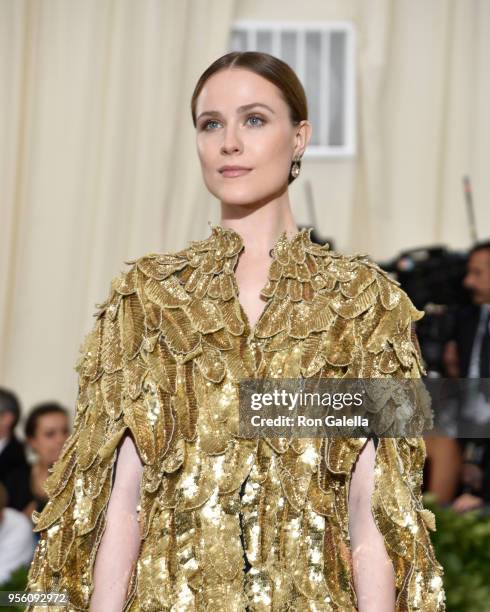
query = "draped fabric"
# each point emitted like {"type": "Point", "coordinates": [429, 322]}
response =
{"type": "Point", "coordinates": [163, 361]}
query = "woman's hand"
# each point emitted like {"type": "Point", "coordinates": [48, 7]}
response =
{"type": "Point", "coordinates": [374, 577]}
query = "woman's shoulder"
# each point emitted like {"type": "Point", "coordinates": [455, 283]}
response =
{"type": "Point", "coordinates": [360, 284]}
{"type": "Point", "coordinates": [372, 306]}
{"type": "Point", "coordinates": [165, 278]}
{"type": "Point", "coordinates": [148, 267]}
{"type": "Point", "coordinates": [135, 300]}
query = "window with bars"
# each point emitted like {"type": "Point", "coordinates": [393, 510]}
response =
{"type": "Point", "coordinates": [322, 55]}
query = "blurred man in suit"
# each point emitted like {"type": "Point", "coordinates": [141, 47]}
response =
{"type": "Point", "coordinates": [468, 356]}
{"type": "Point", "coordinates": [12, 454]}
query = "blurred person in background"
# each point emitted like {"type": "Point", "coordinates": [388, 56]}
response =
{"type": "Point", "coordinates": [46, 430]}
{"type": "Point", "coordinates": [467, 355]}
{"type": "Point", "coordinates": [16, 539]}
{"type": "Point", "coordinates": [12, 454]}
{"type": "Point", "coordinates": [477, 493]}
{"type": "Point", "coordinates": [442, 471]}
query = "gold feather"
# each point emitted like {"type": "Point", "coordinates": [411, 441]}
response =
{"type": "Point", "coordinates": [111, 387]}
{"type": "Point", "coordinates": [168, 293]}
{"type": "Point", "coordinates": [204, 315]}
{"type": "Point", "coordinates": [179, 334]}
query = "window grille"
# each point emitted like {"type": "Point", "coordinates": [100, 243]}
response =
{"type": "Point", "coordinates": [322, 55]}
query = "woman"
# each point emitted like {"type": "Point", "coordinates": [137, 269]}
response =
{"type": "Point", "coordinates": [46, 430]}
{"type": "Point", "coordinates": [196, 517]}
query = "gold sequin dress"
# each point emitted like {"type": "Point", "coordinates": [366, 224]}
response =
{"type": "Point", "coordinates": [227, 523]}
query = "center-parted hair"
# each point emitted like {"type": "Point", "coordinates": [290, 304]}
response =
{"type": "Point", "coordinates": [269, 67]}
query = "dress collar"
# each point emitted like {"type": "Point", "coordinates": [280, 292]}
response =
{"type": "Point", "coordinates": [229, 242]}
{"type": "Point", "coordinates": [294, 262]}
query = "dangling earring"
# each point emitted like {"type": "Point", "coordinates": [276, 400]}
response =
{"type": "Point", "coordinates": [295, 169]}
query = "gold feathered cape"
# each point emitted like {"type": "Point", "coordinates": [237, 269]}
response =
{"type": "Point", "coordinates": [163, 361]}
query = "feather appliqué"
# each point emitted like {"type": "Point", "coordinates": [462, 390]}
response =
{"type": "Point", "coordinates": [163, 361]}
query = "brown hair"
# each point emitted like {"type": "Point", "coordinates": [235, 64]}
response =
{"type": "Point", "coordinates": [271, 68]}
{"type": "Point", "coordinates": [39, 411]}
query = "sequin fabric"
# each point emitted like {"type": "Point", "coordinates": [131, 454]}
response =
{"type": "Point", "coordinates": [229, 523]}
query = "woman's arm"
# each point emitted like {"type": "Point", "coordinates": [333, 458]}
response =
{"type": "Point", "coordinates": [374, 578]}
{"type": "Point", "coordinates": [120, 543]}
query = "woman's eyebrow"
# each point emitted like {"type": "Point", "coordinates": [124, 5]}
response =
{"type": "Point", "coordinates": [240, 109]}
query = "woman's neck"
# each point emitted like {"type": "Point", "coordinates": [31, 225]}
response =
{"type": "Point", "coordinates": [259, 226]}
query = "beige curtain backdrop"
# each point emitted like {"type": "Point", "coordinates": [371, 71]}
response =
{"type": "Point", "coordinates": [98, 163]}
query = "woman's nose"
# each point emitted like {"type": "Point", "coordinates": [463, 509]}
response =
{"type": "Point", "coordinates": [231, 141]}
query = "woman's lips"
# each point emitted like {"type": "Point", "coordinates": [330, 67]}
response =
{"type": "Point", "coordinates": [234, 173]}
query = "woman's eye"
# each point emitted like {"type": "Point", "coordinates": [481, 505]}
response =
{"type": "Point", "coordinates": [205, 125]}
{"type": "Point", "coordinates": [259, 119]}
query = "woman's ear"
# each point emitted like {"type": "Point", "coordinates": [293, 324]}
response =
{"type": "Point", "coordinates": [302, 137]}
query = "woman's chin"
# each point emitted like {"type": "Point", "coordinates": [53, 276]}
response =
{"type": "Point", "coordinates": [236, 197]}
{"type": "Point", "coordinates": [243, 197]}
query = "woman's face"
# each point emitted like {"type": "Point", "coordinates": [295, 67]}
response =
{"type": "Point", "coordinates": [234, 131]}
{"type": "Point", "coordinates": [51, 432]}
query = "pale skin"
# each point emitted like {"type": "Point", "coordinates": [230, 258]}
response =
{"type": "Point", "coordinates": [120, 543]}
{"type": "Point", "coordinates": [257, 206]}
